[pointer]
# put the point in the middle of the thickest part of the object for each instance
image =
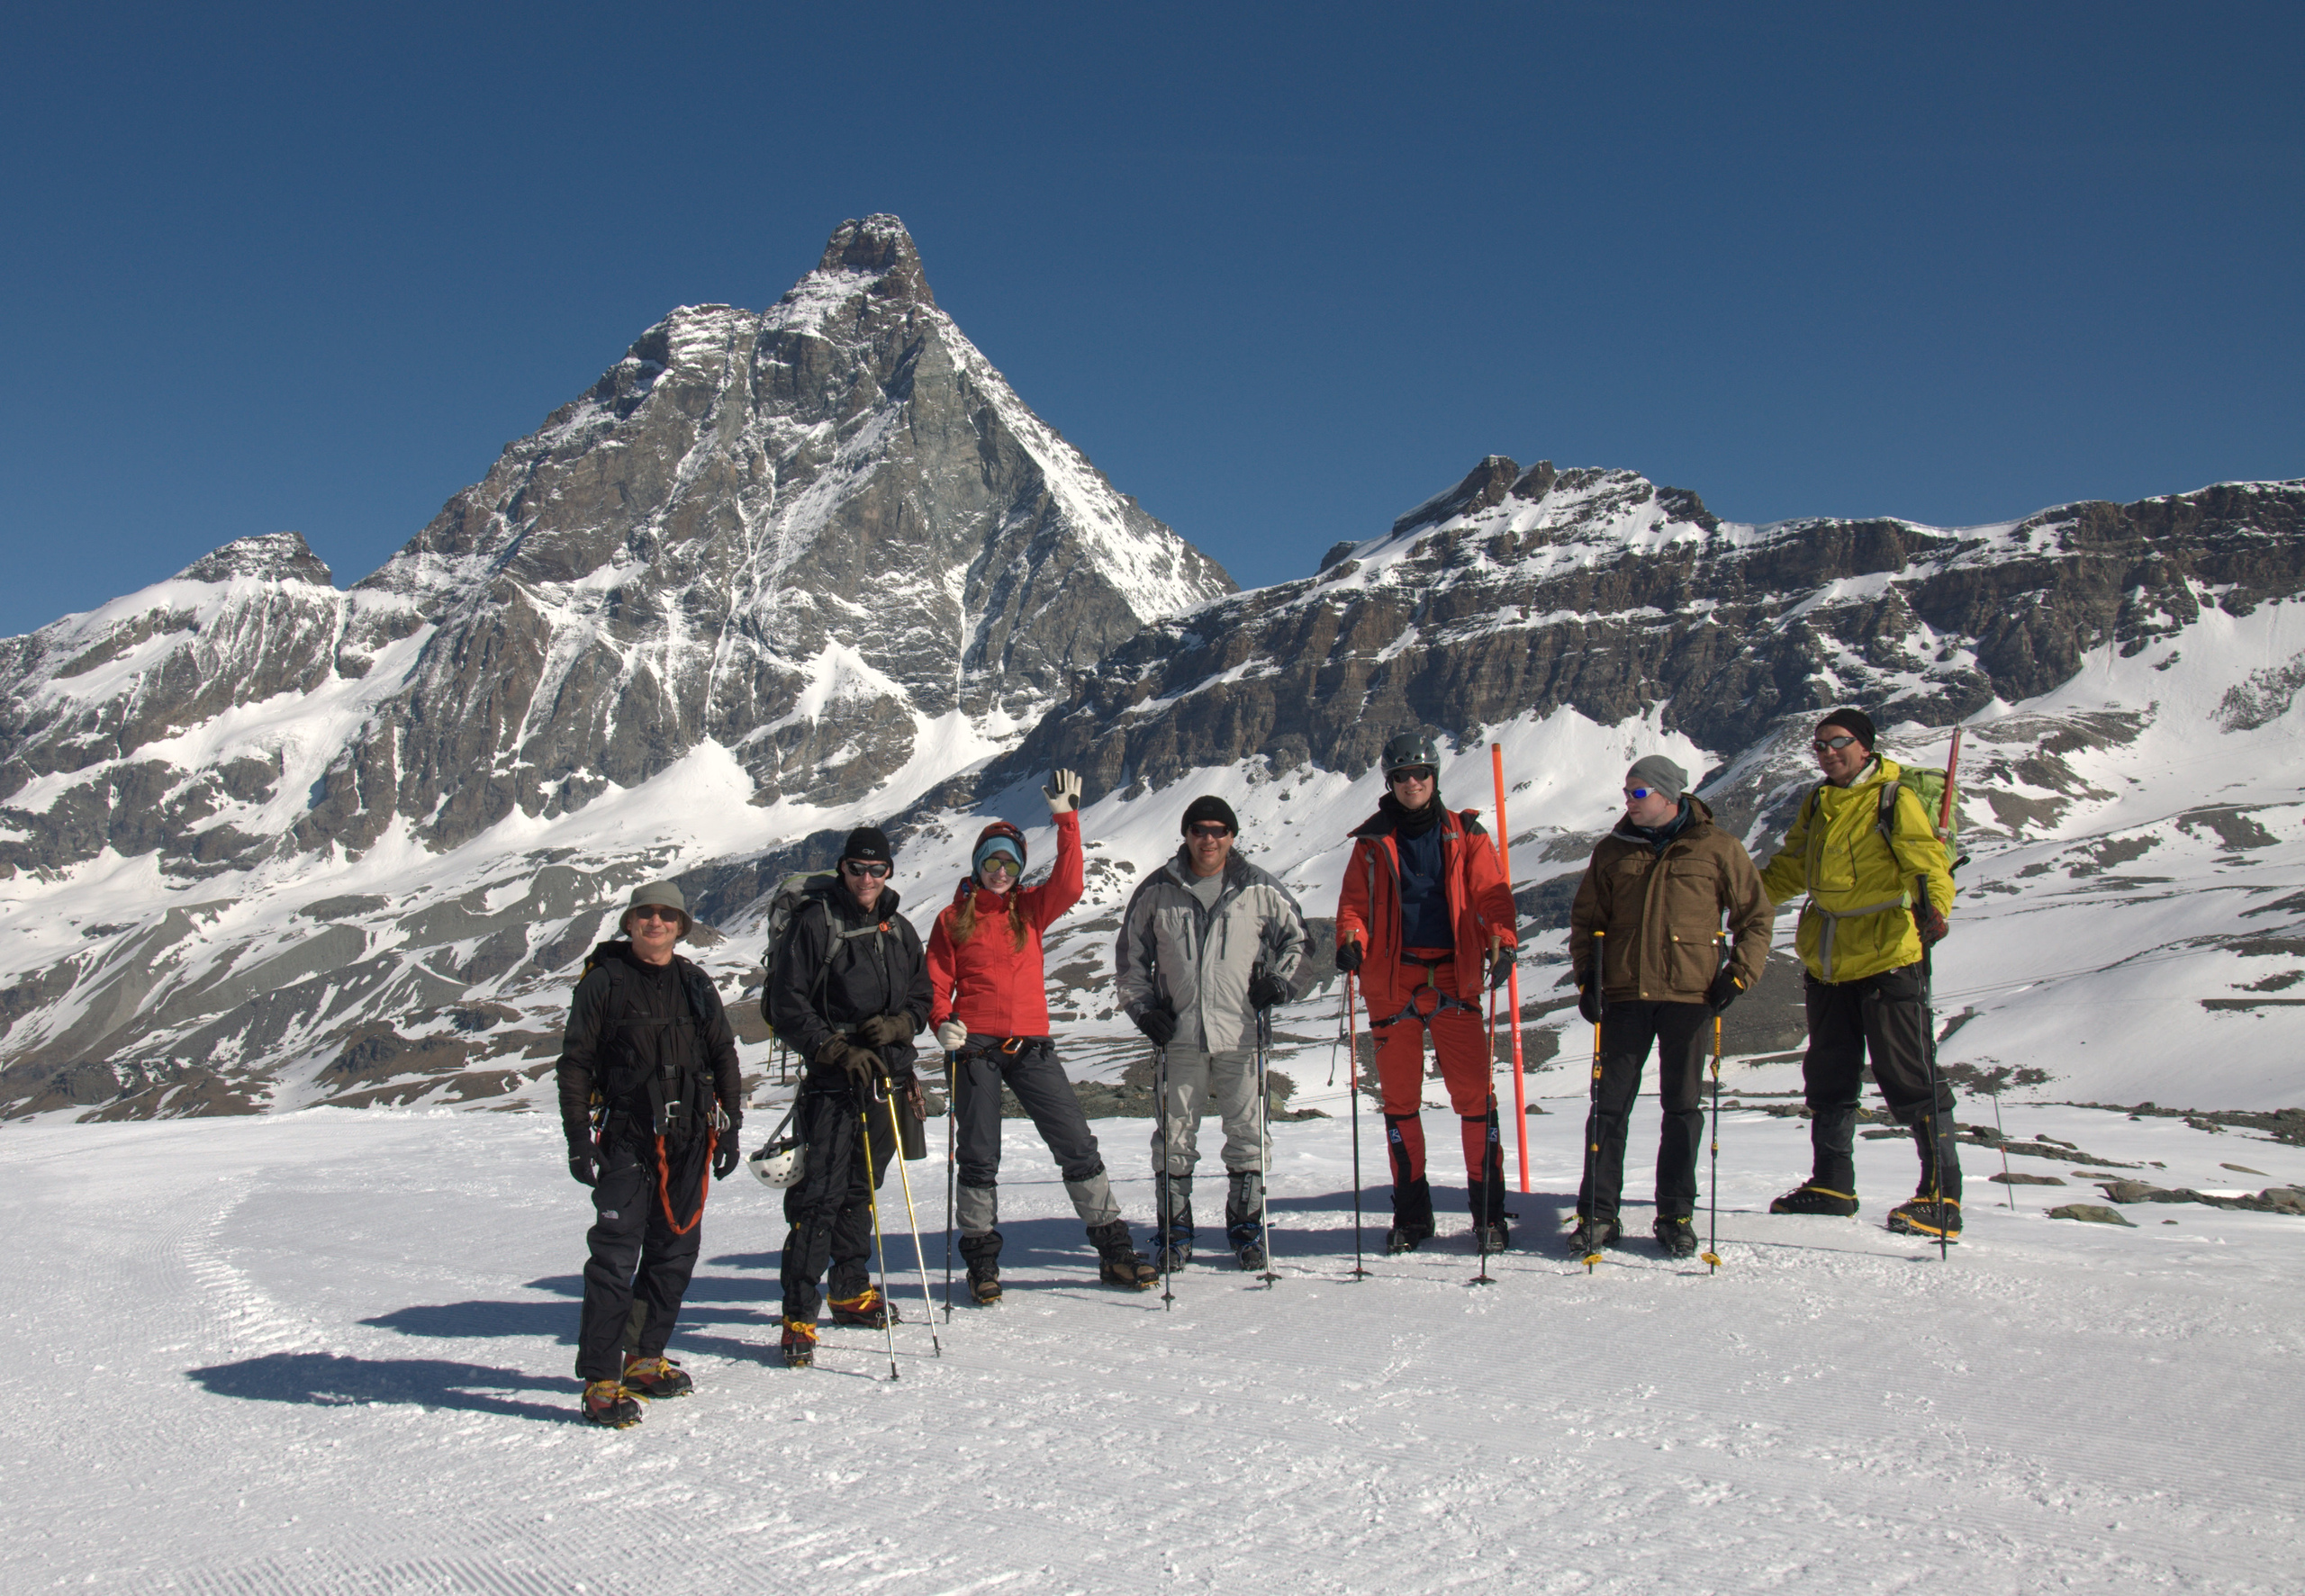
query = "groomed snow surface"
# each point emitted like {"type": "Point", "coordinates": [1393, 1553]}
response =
{"type": "Point", "coordinates": [331, 1351]}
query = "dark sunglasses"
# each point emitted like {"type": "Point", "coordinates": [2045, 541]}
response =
{"type": "Point", "coordinates": [656, 911]}
{"type": "Point", "coordinates": [1411, 773]}
{"type": "Point", "coordinates": [1212, 828]}
{"type": "Point", "coordinates": [864, 866]}
{"type": "Point", "coordinates": [1821, 744]}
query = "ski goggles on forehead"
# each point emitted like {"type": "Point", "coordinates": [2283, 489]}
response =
{"type": "Point", "coordinates": [864, 866]}
{"type": "Point", "coordinates": [1411, 774]}
{"type": "Point", "coordinates": [1823, 743]}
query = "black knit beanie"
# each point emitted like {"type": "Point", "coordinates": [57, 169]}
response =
{"type": "Point", "coordinates": [1209, 807]}
{"type": "Point", "coordinates": [868, 842]}
{"type": "Point", "coordinates": [1855, 722]}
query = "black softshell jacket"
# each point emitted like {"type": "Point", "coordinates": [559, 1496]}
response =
{"type": "Point", "coordinates": [876, 968]}
{"type": "Point", "coordinates": [623, 1028]}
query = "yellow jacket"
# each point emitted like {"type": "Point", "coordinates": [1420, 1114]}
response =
{"type": "Point", "coordinates": [1857, 921]}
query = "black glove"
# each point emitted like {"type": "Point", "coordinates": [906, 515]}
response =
{"type": "Point", "coordinates": [1264, 991]}
{"type": "Point", "coordinates": [726, 1154]}
{"type": "Point", "coordinates": [1348, 955]}
{"type": "Point", "coordinates": [881, 1030]}
{"type": "Point", "coordinates": [1725, 990]}
{"type": "Point", "coordinates": [1500, 969]}
{"type": "Point", "coordinates": [1158, 1024]}
{"type": "Point", "coordinates": [584, 1165]}
{"type": "Point", "coordinates": [862, 1066]}
{"type": "Point", "coordinates": [1588, 1003]}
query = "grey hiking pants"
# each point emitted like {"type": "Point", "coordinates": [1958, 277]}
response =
{"type": "Point", "coordinates": [1199, 1083]}
{"type": "Point", "coordinates": [1031, 1071]}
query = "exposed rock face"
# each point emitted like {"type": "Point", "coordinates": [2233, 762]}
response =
{"type": "Point", "coordinates": [1521, 591]}
{"type": "Point", "coordinates": [805, 534]}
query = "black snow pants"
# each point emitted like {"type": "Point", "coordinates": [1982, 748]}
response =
{"type": "Point", "coordinates": [1032, 1073]}
{"type": "Point", "coordinates": [1682, 1033]}
{"type": "Point", "coordinates": [830, 1207]}
{"type": "Point", "coordinates": [1878, 1017]}
{"type": "Point", "coordinates": [640, 1264]}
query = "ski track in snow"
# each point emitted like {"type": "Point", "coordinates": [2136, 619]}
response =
{"type": "Point", "coordinates": [330, 1351]}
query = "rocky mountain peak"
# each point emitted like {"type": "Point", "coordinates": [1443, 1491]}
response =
{"type": "Point", "coordinates": [877, 247]}
{"type": "Point", "coordinates": [269, 557]}
{"type": "Point", "coordinates": [1485, 485]}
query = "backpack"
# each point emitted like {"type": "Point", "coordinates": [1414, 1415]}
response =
{"type": "Point", "coordinates": [1925, 783]}
{"type": "Point", "coordinates": [795, 893]}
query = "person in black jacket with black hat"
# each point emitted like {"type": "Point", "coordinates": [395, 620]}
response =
{"type": "Point", "coordinates": [649, 1097]}
{"type": "Point", "coordinates": [849, 993]}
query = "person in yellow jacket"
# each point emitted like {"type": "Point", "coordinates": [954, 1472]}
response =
{"type": "Point", "coordinates": [1861, 861]}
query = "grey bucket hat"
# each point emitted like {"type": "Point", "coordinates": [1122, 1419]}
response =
{"type": "Point", "coordinates": [663, 894]}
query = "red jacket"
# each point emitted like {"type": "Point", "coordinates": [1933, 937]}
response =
{"type": "Point", "coordinates": [1369, 908]}
{"type": "Point", "coordinates": [990, 985]}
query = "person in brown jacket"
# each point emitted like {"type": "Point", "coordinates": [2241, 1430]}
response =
{"type": "Point", "coordinates": [1658, 888]}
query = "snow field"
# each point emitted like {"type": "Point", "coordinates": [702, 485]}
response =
{"type": "Point", "coordinates": [330, 1351]}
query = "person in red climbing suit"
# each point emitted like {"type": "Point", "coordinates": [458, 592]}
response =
{"type": "Point", "coordinates": [1426, 920]}
{"type": "Point", "coordinates": [649, 1098]}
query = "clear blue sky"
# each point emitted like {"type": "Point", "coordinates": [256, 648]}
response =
{"type": "Point", "coordinates": [1281, 273]}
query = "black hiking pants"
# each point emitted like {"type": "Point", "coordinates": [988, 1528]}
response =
{"type": "Point", "coordinates": [830, 1207]}
{"type": "Point", "coordinates": [1047, 1098]}
{"type": "Point", "coordinates": [1682, 1033]}
{"type": "Point", "coordinates": [640, 1263]}
{"type": "Point", "coordinates": [1878, 1018]}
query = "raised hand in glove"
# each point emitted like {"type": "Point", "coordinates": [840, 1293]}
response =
{"type": "Point", "coordinates": [1157, 1024]}
{"type": "Point", "coordinates": [1063, 791]}
{"type": "Point", "coordinates": [584, 1165]}
{"type": "Point", "coordinates": [1265, 990]}
{"type": "Point", "coordinates": [1348, 955]}
{"type": "Point", "coordinates": [1725, 991]}
{"type": "Point", "coordinates": [952, 1036]}
{"type": "Point", "coordinates": [881, 1030]}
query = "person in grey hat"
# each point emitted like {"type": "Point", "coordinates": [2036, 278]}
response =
{"type": "Point", "coordinates": [649, 1101]}
{"type": "Point", "coordinates": [1208, 942]}
{"type": "Point", "coordinates": [1655, 895]}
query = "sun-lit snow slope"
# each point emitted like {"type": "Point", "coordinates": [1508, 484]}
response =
{"type": "Point", "coordinates": [331, 1353]}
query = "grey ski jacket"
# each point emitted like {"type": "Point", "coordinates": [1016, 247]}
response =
{"type": "Point", "coordinates": [1197, 962]}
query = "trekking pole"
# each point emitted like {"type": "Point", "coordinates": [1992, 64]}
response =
{"type": "Point", "coordinates": [952, 1165]}
{"type": "Point", "coordinates": [1593, 1106]}
{"type": "Point", "coordinates": [1940, 1126]}
{"type": "Point", "coordinates": [927, 1304]}
{"type": "Point", "coordinates": [2002, 1137]}
{"type": "Point", "coordinates": [1264, 1147]}
{"type": "Point", "coordinates": [1161, 1186]}
{"type": "Point", "coordinates": [1513, 980]}
{"type": "Point", "coordinates": [1480, 1186]}
{"type": "Point", "coordinates": [872, 1204]}
{"type": "Point", "coordinates": [1352, 1060]}
{"type": "Point", "coordinates": [1712, 1203]}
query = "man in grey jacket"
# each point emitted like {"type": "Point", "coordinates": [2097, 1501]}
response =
{"type": "Point", "coordinates": [1209, 940]}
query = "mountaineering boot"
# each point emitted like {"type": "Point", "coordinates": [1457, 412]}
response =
{"type": "Point", "coordinates": [1173, 1242]}
{"type": "Point", "coordinates": [1589, 1236]}
{"type": "Point", "coordinates": [1493, 1237]}
{"type": "Point", "coordinates": [1244, 1209]}
{"type": "Point", "coordinates": [1170, 1254]}
{"type": "Point", "coordinates": [1928, 1216]}
{"type": "Point", "coordinates": [1118, 1264]}
{"type": "Point", "coordinates": [1677, 1238]}
{"type": "Point", "coordinates": [1251, 1254]}
{"type": "Point", "coordinates": [607, 1405]}
{"type": "Point", "coordinates": [656, 1378]}
{"type": "Point", "coordinates": [800, 1344]}
{"type": "Point", "coordinates": [1407, 1235]}
{"type": "Point", "coordinates": [1813, 1198]}
{"type": "Point", "coordinates": [867, 1309]}
{"type": "Point", "coordinates": [982, 1255]}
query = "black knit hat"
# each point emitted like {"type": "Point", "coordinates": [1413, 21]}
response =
{"type": "Point", "coordinates": [1209, 807]}
{"type": "Point", "coordinates": [1855, 722]}
{"type": "Point", "coordinates": [868, 842]}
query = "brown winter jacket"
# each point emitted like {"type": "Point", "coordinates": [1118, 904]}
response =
{"type": "Point", "coordinates": [1661, 912]}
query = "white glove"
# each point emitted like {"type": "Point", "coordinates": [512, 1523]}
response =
{"type": "Point", "coordinates": [952, 1036]}
{"type": "Point", "coordinates": [1063, 791]}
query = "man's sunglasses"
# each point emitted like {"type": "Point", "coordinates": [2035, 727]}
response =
{"type": "Point", "coordinates": [656, 911]}
{"type": "Point", "coordinates": [1823, 743]}
{"type": "Point", "coordinates": [1637, 793]}
{"type": "Point", "coordinates": [1411, 773]}
{"type": "Point", "coordinates": [864, 866]}
{"type": "Point", "coordinates": [1212, 828]}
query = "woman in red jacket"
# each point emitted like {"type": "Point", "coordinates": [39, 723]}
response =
{"type": "Point", "coordinates": [1426, 918]}
{"type": "Point", "coordinates": [989, 1006]}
